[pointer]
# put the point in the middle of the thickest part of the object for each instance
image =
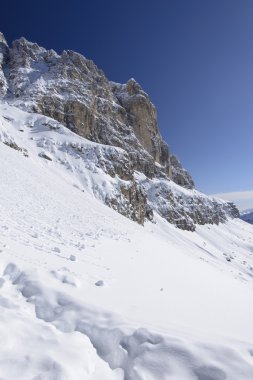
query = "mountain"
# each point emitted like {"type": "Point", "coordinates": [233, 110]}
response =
{"type": "Point", "coordinates": [71, 90]}
{"type": "Point", "coordinates": [91, 292]}
{"type": "Point", "coordinates": [247, 216]}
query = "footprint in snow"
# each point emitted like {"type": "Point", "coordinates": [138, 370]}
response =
{"type": "Point", "coordinates": [72, 258]}
{"type": "Point", "coordinates": [65, 277]}
{"type": "Point", "coordinates": [99, 283]}
{"type": "Point", "coordinates": [57, 250]}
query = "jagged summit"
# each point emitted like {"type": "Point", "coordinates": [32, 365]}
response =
{"type": "Point", "coordinates": [2, 39]}
{"type": "Point", "coordinates": [3, 58]}
{"type": "Point", "coordinates": [73, 91]}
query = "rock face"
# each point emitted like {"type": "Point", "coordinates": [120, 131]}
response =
{"type": "Point", "coordinates": [142, 117]}
{"type": "Point", "coordinates": [72, 90]}
{"type": "Point", "coordinates": [185, 208]}
{"type": "Point", "coordinates": [179, 175]}
{"type": "Point", "coordinates": [3, 58]}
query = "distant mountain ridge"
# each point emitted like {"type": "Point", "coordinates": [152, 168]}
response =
{"type": "Point", "coordinates": [247, 215]}
{"type": "Point", "coordinates": [120, 119]}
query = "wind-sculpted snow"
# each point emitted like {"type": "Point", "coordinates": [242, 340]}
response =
{"type": "Point", "coordinates": [130, 353]}
{"type": "Point", "coordinates": [172, 304]}
{"type": "Point", "coordinates": [32, 349]}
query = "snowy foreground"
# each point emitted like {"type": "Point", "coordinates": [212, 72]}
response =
{"type": "Point", "coordinates": [88, 294]}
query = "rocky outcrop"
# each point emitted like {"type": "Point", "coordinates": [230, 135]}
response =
{"type": "Point", "coordinates": [129, 197]}
{"type": "Point", "coordinates": [142, 117]}
{"type": "Point", "coordinates": [72, 90]}
{"type": "Point", "coordinates": [185, 208]}
{"type": "Point", "coordinates": [3, 59]}
{"type": "Point", "coordinates": [179, 175]}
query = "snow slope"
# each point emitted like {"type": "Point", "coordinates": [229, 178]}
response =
{"type": "Point", "coordinates": [88, 294]}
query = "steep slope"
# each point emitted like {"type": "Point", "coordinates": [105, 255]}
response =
{"type": "Point", "coordinates": [73, 91]}
{"type": "Point", "coordinates": [89, 294]}
{"type": "Point", "coordinates": [106, 172]}
{"type": "Point", "coordinates": [103, 170]}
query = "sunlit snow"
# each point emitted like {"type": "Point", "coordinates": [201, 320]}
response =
{"type": "Point", "coordinates": [85, 293]}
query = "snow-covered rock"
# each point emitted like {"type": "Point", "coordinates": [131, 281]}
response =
{"type": "Point", "coordinates": [179, 175]}
{"type": "Point", "coordinates": [3, 58]}
{"type": "Point", "coordinates": [86, 293]}
{"type": "Point", "coordinates": [102, 170]}
{"type": "Point", "coordinates": [56, 324]}
{"type": "Point", "coordinates": [121, 122]}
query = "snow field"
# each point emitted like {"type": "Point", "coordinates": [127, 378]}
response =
{"type": "Point", "coordinates": [174, 305]}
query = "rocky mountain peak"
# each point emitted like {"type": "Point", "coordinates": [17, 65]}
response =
{"type": "Point", "coordinates": [72, 90]}
{"type": "Point", "coordinates": [4, 50]}
{"type": "Point", "coordinates": [23, 45]}
{"type": "Point", "coordinates": [134, 88]}
{"type": "Point", "coordinates": [3, 40]}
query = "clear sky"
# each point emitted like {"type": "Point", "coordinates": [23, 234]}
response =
{"type": "Point", "coordinates": [193, 57]}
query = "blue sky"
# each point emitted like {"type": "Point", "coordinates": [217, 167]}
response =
{"type": "Point", "coordinates": [193, 57]}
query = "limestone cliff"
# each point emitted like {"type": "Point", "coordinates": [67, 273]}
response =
{"type": "Point", "coordinates": [72, 90]}
{"type": "Point", "coordinates": [179, 175]}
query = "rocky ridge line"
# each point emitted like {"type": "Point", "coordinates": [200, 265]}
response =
{"type": "Point", "coordinates": [72, 90]}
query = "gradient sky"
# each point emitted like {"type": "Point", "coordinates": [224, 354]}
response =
{"type": "Point", "coordinates": [193, 57]}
